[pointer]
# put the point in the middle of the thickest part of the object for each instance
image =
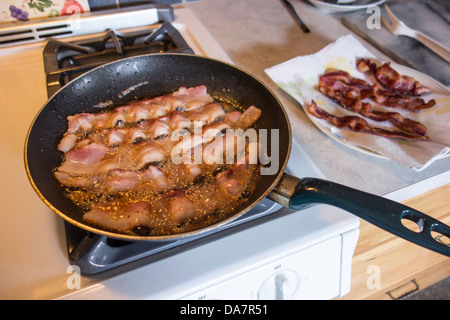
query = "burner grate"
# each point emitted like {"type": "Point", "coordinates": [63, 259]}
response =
{"type": "Point", "coordinates": [64, 61]}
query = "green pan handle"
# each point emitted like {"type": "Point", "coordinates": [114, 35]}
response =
{"type": "Point", "coordinates": [299, 194]}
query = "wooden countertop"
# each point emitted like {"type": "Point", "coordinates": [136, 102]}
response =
{"type": "Point", "coordinates": [386, 267]}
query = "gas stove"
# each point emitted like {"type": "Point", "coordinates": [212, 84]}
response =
{"type": "Point", "coordinates": [64, 61]}
{"type": "Point", "coordinates": [268, 253]}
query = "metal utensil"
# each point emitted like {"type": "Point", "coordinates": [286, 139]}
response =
{"type": "Point", "coordinates": [397, 27]}
{"type": "Point", "coordinates": [296, 16]}
{"type": "Point", "coordinates": [362, 32]}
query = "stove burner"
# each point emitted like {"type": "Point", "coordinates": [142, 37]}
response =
{"type": "Point", "coordinates": [64, 61]}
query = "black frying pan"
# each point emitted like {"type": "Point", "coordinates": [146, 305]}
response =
{"type": "Point", "coordinates": [164, 73]}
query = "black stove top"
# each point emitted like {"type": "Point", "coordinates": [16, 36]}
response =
{"type": "Point", "coordinates": [64, 61]}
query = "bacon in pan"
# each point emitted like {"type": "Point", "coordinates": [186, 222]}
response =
{"type": "Point", "coordinates": [120, 166]}
{"type": "Point", "coordinates": [183, 99]}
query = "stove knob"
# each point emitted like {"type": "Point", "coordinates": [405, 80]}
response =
{"type": "Point", "coordinates": [280, 286]}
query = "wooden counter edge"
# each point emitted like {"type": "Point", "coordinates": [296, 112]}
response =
{"type": "Point", "coordinates": [399, 263]}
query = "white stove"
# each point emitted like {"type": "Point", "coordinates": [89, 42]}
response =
{"type": "Point", "coordinates": [281, 255]}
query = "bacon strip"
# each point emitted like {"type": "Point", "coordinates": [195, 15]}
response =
{"type": "Point", "coordinates": [358, 124]}
{"type": "Point", "coordinates": [394, 100]}
{"type": "Point", "coordinates": [391, 79]}
{"type": "Point", "coordinates": [183, 99]}
{"type": "Point", "coordinates": [348, 92]}
{"type": "Point", "coordinates": [119, 159]}
{"type": "Point", "coordinates": [395, 118]}
{"type": "Point", "coordinates": [342, 83]}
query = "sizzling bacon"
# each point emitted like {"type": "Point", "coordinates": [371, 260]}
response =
{"type": "Point", "coordinates": [146, 129]}
{"type": "Point", "coordinates": [127, 218]}
{"type": "Point", "coordinates": [68, 142]}
{"type": "Point", "coordinates": [248, 118]}
{"type": "Point", "coordinates": [84, 160]}
{"type": "Point", "coordinates": [172, 208]}
{"type": "Point", "coordinates": [183, 99]}
{"type": "Point", "coordinates": [181, 209]}
{"type": "Point", "coordinates": [121, 180]}
{"type": "Point", "coordinates": [119, 164]}
{"type": "Point", "coordinates": [358, 124]}
{"type": "Point", "coordinates": [229, 183]}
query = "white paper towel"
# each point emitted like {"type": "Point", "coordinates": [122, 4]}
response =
{"type": "Point", "coordinates": [300, 76]}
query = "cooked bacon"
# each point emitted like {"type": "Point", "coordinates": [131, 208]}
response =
{"type": "Point", "coordinates": [340, 86]}
{"type": "Point", "coordinates": [394, 100]}
{"type": "Point", "coordinates": [395, 118]}
{"type": "Point", "coordinates": [343, 84]}
{"type": "Point", "coordinates": [358, 124]}
{"type": "Point", "coordinates": [391, 79]}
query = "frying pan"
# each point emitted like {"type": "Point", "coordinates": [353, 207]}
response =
{"type": "Point", "coordinates": [158, 74]}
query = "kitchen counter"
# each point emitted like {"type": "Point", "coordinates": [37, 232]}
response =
{"type": "Point", "coordinates": [258, 34]}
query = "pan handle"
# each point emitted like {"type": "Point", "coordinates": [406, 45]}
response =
{"type": "Point", "coordinates": [379, 211]}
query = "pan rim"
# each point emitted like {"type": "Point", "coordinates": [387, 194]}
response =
{"type": "Point", "coordinates": [175, 236]}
